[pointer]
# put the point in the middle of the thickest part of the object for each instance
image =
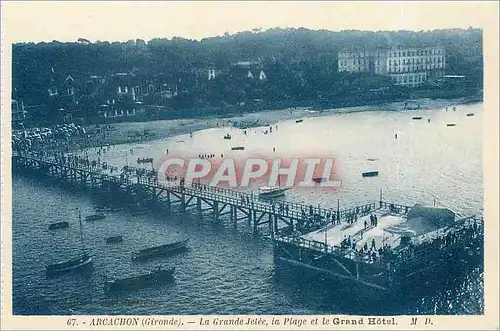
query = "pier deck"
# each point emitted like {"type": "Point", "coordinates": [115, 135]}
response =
{"type": "Point", "coordinates": [274, 216]}
{"type": "Point", "coordinates": [297, 230]}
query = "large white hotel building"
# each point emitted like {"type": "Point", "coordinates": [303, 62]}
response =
{"type": "Point", "coordinates": [410, 67]}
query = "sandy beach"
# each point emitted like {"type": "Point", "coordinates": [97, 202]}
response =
{"type": "Point", "coordinates": [126, 132]}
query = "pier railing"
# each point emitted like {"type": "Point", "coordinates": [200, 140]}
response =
{"type": "Point", "coordinates": [335, 250]}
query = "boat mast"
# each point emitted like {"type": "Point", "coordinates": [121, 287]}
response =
{"type": "Point", "coordinates": [81, 230]}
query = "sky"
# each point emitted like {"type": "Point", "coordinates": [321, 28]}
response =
{"type": "Point", "coordinates": [119, 21]}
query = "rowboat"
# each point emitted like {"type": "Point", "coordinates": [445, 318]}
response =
{"type": "Point", "coordinates": [103, 209]}
{"type": "Point", "coordinates": [319, 179]}
{"type": "Point", "coordinates": [114, 239]}
{"type": "Point", "coordinates": [95, 217]}
{"type": "Point", "coordinates": [58, 225]}
{"type": "Point", "coordinates": [370, 174]}
{"type": "Point", "coordinates": [162, 250]}
{"type": "Point", "coordinates": [140, 212]}
{"type": "Point", "coordinates": [151, 278]}
{"type": "Point", "coordinates": [450, 124]}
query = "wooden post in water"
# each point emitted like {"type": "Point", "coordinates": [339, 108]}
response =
{"type": "Point", "coordinates": [183, 201]}
{"type": "Point", "coordinates": [231, 213]}
{"type": "Point", "coordinates": [169, 203]}
{"type": "Point", "coordinates": [198, 204]}
{"type": "Point", "coordinates": [216, 210]}
{"type": "Point", "coordinates": [270, 221]}
{"type": "Point", "coordinates": [275, 226]}
{"type": "Point", "coordinates": [338, 210]}
{"type": "Point", "coordinates": [235, 217]}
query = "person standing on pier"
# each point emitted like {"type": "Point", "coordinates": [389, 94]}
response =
{"type": "Point", "coordinates": [373, 243]}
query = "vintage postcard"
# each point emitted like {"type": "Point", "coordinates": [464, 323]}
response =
{"type": "Point", "coordinates": [249, 165]}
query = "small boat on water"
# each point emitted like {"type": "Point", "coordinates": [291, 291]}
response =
{"type": "Point", "coordinates": [370, 159]}
{"type": "Point", "coordinates": [267, 192]}
{"type": "Point", "coordinates": [140, 212]}
{"type": "Point", "coordinates": [370, 174]}
{"type": "Point", "coordinates": [59, 225]}
{"type": "Point", "coordinates": [319, 179]}
{"type": "Point", "coordinates": [95, 217]}
{"type": "Point", "coordinates": [417, 117]}
{"type": "Point", "coordinates": [470, 114]}
{"type": "Point", "coordinates": [162, 250]}
{"type": "Point", "coordinates": [299, 121]}
{"type": "Point", "coordinates": [227, 136]}
{"type": "Point", "coordinates": [114, 239]}
{"type": "Point", "coordinates": [103, 209]}
{"type": "Point", "coordinates": [81, 261]}
{"type": "Point", "coordinates": [151, 278]}
{"type": "Point", "coordinates": [450, 124]}
{"type": "Point", "coordinates": [144, 160]}
{"type": "Point", "coordinates": [76, 263]}
{"type": "Point", "coordinates": [237, 148]}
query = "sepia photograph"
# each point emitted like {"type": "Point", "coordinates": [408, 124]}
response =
{"type": "Point", "coordinates": [240, 160]}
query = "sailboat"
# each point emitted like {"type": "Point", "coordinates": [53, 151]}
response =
{"type": "Point", "coordinates": [81, 261]}
{"type": "Point", "coordinates": [272, 192]}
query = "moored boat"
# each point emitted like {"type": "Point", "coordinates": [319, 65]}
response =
{"type": "Point", "coordinates": [82, 261]}
{"type": "Point", "coordinates": [160, 250]}
{"type": "Point", "coordinates": [272, 192]}
{"type": "Point", "coordinates": [103, 209]}
{"type": "Point", "coordinates": [417, 117]}
{"type": "Point", "coordinates": [95, 217]}
{"type": "Point", "coordinates": [58, 225]}
{"type": "Point", "coordinates": [140, 212]}
{"type": "Point", "coordinates": [299, 121]}
{"type": "Point", "coordinates": [237, 148]}
{"type": "Point", "coordinates": [450, 124]}
{"type": "Point", "coordinates": [151, 278]}
{"type": "Point", "coordinates": [114, 239]}
{"type": "Point", "coordinates": [75, 263]}
{"type": "Point", "coordinates": [470, 114]}
{"type": "Point", "coordinates": [370, 174]}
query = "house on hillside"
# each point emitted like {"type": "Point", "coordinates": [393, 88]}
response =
{"type": "Point", "coordinates": [250, 70]}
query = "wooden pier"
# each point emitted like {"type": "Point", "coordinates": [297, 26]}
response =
{"type": "Point", "coordinates": [284, 222]}
{"type": "Point", "coordinates": [265, 217]}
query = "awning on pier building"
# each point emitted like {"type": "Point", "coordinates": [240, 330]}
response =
{"type": "Point", "coordinates": [431, 217]}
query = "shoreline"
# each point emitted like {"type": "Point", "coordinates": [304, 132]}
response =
{"type": "Point", "coordinates": [133, 132]}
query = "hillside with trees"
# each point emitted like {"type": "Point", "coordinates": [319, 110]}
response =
{"type": "Point", "coordinates": [300, 64]}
